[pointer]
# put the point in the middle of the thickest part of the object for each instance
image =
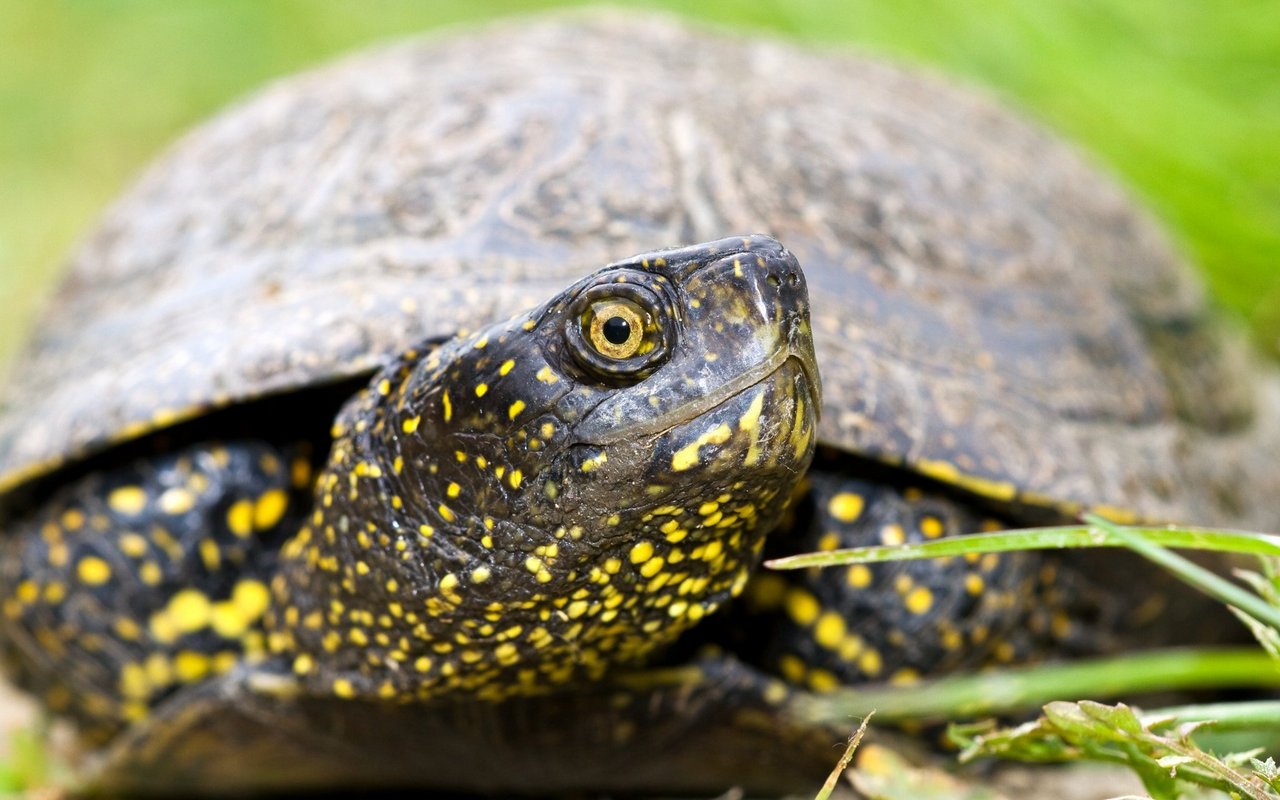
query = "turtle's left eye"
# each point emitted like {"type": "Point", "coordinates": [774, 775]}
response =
{"type": "Point", "coordinates": [616, 328]}
{"type": "Point", "coordinates": [620, 331]}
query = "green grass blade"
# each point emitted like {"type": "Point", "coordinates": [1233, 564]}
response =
{"type": "Point", "coordinates": [1023, 688]}
{"type": "Point", "coordinates": [1191, 573]}
{"type": "Point", "coordinates": [1246, 715]}
{"type": "Point", "coordinates": [833, 779]}
{"type": "Point", "coordinates": [1074, 536]}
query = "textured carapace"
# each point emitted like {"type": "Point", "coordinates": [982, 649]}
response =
{"type": "Point", "coordinates": [558, 493]}
{"type": "Point", "coordinates": [952, 250]}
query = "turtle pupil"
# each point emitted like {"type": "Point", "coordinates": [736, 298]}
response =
{"type": "Point", "coordinates": [617, 330]}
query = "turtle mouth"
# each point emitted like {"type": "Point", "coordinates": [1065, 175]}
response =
{"type": "Point", "coordinates": [796, 353]}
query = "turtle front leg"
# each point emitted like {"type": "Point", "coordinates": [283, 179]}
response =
{"type": "Point", "coordinates": [898, 621]}
{"type": "Point", "coordinates": [142, 578]}
{"type": "Point", "coordinates": [894, 621]}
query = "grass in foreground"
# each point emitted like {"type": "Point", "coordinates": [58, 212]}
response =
{"type": "Point", "coordinates": [1164, 748]}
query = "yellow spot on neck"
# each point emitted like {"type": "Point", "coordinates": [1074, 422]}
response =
{"type": "Point", "coordinates": [448, 406]}
{"type": "Point", "coordinates": [870, 663]}
{"type": "Point", "coordinates": [133, 544]}
{"type": "Point", "coordinates": [652, 567]}
{"type": "Point", "coordinates": [269, 509]}
{"type": "Point", "coordinates": [515, 409]}
{"type": "Point", "coordinates": [829, 541]}
{"type": "Point", "coordinates": [931, 527]}
{"type": "Point", "coordinates": [892, 534]}
{"type": "Point", "coordinates": [240, 518]}
{"type": "Point", "coordinates": [93, 571]}
{"type": "Point", "coordinates": [150, 573]}
{"type": "Point", "coordinates": [343, 688]}
{"type": "Point", "coordinates": [134, 683]}
{"type": "Point", "coordinates": [687, 456]}
{"type": "Point", "coordinates": [919, 600]}
{"type": "Point", "coordinates": [177, 501]}
{"type": "Point", "coordinates": [802, 606]}
{"type": "Point", "coordinates": [792, 668]}
{"type": "Point", "coordinates": [227, 621]}
{"type": "Point", "coordinates": [252, 598]}
{"type": "Point", "coordinates": [28, 591]}
{"type": "Point", "coordinates": [411, 424]}
{"type": "Point", "coordinates": [821, 680]}
{"type": "Point", "coordinates": [858, 576]}
{"type": "Point", "coordinates": [129, 500]}
{"type": "Point", "coordinates": [750, 419]}
{"type": "Point", "coordinates": [640, 553]}
{"type": "Point", "coordinates": [846, 506]}
{"type": "Point", "coordinates": [188, 610]}
{"type": "Point", "coordinates": [210, 555]}
{"type": "Point", "coordinates": [830, 630]}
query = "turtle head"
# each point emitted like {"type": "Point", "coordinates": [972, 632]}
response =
{"type": "Point", "coordinates": [565, 490]}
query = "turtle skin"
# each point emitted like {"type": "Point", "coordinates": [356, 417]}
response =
{"type": "Point", "coordinates": [1003, 339]}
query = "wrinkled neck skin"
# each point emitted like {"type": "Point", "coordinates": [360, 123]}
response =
{"type": "Point", "coordinates": [476, 534]}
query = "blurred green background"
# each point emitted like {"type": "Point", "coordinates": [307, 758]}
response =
{"type": "Point", "coordinates": [1180, 97]}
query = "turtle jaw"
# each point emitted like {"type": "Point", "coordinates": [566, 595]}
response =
{"type": "Point", "coordinates": [660, 531]}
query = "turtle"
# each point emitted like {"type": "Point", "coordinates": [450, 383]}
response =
{"type": "Point", "coordinates": [315, 474]}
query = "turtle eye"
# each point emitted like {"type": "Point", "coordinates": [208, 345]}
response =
{"type": "Point", "coordinates": [616, 328]}
{"type": "Point", "coordinates": [620, 331]}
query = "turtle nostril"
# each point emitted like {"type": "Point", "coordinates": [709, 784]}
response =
{"type": "Point", "coordinates": [792, 278]}
{"type": "Point", "coordinates": [774, 281]}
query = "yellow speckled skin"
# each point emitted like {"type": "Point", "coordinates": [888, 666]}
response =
{"type": "Point", "coordinates": [134, 582]}
{"type": "Point", "coordinates": [514, 510]}
{"type": "Point", "coordinates": [483, 583]}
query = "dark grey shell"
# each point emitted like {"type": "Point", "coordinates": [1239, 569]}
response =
{"type": "Point", "coordinates": [988, 309]}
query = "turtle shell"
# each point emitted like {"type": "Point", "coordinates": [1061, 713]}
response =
{"type": "Point", "coordinates": [989, 310]}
